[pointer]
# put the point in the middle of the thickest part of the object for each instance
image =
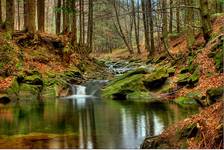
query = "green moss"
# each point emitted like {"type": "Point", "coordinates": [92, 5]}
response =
{"type": "Point", "coordinates": [215, 93]}
{"type": "Point", "coordinates": [128, 85]}
{"type": "Point", "coordinates": [14, 88]}
{"type": "Point", "coordinates": [182, 79]}
{"type": "Point", "coordinates": [34, 80]}
{"type": "Point", "coordinates": [219, 59]}
{"type": "Point", "coordinates": [186, 101]}
{"type": "Point", "coordinates": [156, 79]}
{"type": "Point", "coordinates": [29, 90]}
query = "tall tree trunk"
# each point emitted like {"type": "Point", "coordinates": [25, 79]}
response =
{"type": "Point", "coordinates": [31, 16]}
{"type": "Point", "coordinates": [41, 14]}
{"type": "Point", "coordinates": [25, 12]}
{"type": "Point", "coordinates": [65, 16]}
{"type": "Point", "coordinates": [171, 17]}
{"type": "Point", "coordinates": [145, 23]}
{"type": "Point", "coordinates": [74, 27]}
{"type": "Point", "coordinates": [206, 21]}
{"type": "Point", "coordinates": [164, 28]}
{"type": "Point", "coordinates": [178, 15]}
{"type": "Point", "coordinates": [90, 26]}
{"type": "Point", "coordinates": [18, 13]}
{"type": "Point", "coordinates": [83, 22]}
{"type": "Point", "coordinates": [135, 26]}
{"type": "Point", "coordinates": [119, 28]}
{"type": "Point", "coordinates": [10, 14]}
{"type": "Point", "coordinates": [58, 18]}
{"type": "Point", "coordinates": [80, 23]}
{"type": "Point", "coordinates": [151, 25]}
{"type": "Point", "coordinates": [189, 26]}
{"type": "Point", "coordinates": [0, 12]}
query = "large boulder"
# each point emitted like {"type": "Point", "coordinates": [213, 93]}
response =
{"type": "Point", "coordinates": [156, 79]}
{"type": "Point", "coordinates": [122, 88]}
{"type": "Point", "coordinates": [186, 101]}
{"type": "Point", "coordinates": [214, 94]}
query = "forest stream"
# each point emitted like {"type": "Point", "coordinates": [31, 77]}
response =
{"type": "Point", "coordinates": [84, 120]}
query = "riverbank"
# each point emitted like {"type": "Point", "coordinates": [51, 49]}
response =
{"type": "Point", "coordinates": [36, 65]}
{"type": "Point", "coordinates": [194, 79]}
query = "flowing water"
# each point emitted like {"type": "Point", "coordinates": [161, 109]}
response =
{"type": "Point", "coordinates": [84, 121]}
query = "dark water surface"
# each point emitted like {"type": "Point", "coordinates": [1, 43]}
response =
{"type": "Point", "coordinates": [95, 123]}
{"type": "Point", "coordinates": [85, 123]}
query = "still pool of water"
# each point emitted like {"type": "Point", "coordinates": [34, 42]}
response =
{"type": "Point", "coordinates": [84, 123]}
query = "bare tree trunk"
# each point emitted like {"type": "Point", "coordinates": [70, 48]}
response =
{"type": "Point", "coordinates": [145, 23]}
{"type": "Point", "coordinates": [74, 27]}
{"type": "Point", "coordinates": [58, 18]}
{"type": "Point", "coordinates": [178, 16]}
{"type": "Point", "coordinates": [135, 26]}
{"type": "Point", "coordinates": [65, 17]}
{"type": "Point", "coordinates": [80, 23]}
{"type": "Point", "coordinates": [31, 16]}
{"type": "Point", "coordinates": [41, 14]}
{"type": "Point", "coordinates": [119, 28]}
{"type": "Point", "coordinates": [151, 27]}
{"type": "Point", "coordinates": [25, 12]}
{"type": "Point", "coordinates": [90, 26]}
{"type": "Point", "coordinates": [205, 16]}
{"type": "Point", "coordinates": [10, 14]}
{"type": "Point", "coordinates": [189, 26]}
{"type": "Point", "coordinates": [171, 17]}
{"type": "Point", "coordinates": [0, 12]}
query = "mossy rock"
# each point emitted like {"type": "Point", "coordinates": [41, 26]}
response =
{"type": "Point", "coordinates": [183, 79]}
{"type": "Point", "coordinates": [4, 99]}
{"type": "Point", "coordinates": [171, 71]}
{"type": "Point", "coordinates": [219, 60]}
{"type": "Point", "coordinates": [194, 78]}
{"type": "Point", "coordinates": [184, 70]}
{"type": "Point", "coordinates": [124, 86]}
{"type": "Point", "coordinates": [14, 88]}
{"type": "Point", "coordinates": [186, 101]}
{"type": "Point", "coordinates": [129, 74]}
{"type": "Point", "coordinates": [33, 80]}
{"type": "Point", "coordinates": [156, 79]}
{"type": "Point", "coordinates": [29, 90]}
{"type": "Point", "coordinates": [215, 93]}
{"type": "Point", "coordinates": [189, 131]}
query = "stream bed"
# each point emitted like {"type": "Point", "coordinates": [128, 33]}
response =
{"type": "Point", "coordinates": [84, 121]}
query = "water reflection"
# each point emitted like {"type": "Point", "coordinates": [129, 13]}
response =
{"type": "Point", "coordinates": [92, 123]}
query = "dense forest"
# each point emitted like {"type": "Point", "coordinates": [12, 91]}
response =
{"type": "Point", "coordinates": [111, 73]}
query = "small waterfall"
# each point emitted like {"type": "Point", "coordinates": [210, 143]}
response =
{"type": "Point", "coordinates": [78, 90]}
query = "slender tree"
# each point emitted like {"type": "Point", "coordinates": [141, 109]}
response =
{"type": "Point", "coordinates": [135, 26]}
{"type": "Point", "coordinates": [74, 25]}
{"type": "Point", "coordinates": [58, 18]}
{"type": "Point", "coordinates": [151, 25]}
{"type": "Point", "coordinates": [206, 21]}
{"type": "Point", "coordinates": [10, 13]}
{"type": "Point", "coordinates": [41, 15]}
{"type": "Point", "coordinates": [119, 28]}
{"type": "Point", "coordinates": [31, 16]}
{"type": "Point", "coordinates": [90, 25]}
{"type": "Point", "coordinates": [0, 12]}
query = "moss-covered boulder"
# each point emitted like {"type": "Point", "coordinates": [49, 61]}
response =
{"type": "Point", "coordinates": [182, 79]}
{"type": "Point", "coordinates": [156, 79]}
{"type": "Point", "coordinates": [215, 93]}
{"type": "Point", "coordinates": [188, 79]}
{"type": "Point", "coordinates": [122, 88]}
{"type": "Point", "coordinates": [219, 60]}
{"type": "Point", "coordinates": [27, 90]}
{"type": "Point", "coordinates": [186, 101]}
{"type": "Point", "coordinates": [33, 80]}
